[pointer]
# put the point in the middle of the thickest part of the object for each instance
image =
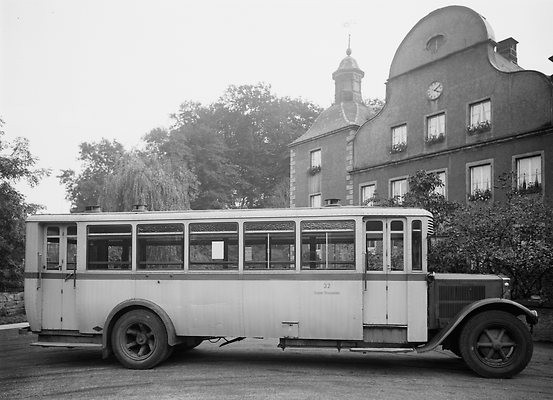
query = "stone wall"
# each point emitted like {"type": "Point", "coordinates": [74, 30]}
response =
{"type": "Point", "coordinates": [11, 304]}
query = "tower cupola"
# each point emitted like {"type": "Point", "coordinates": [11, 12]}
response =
{"type": "Point", "coordinates": [347, 80]}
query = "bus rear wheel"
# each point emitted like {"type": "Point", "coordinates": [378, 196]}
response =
{"type": "Point", "coordinates": [495, 344]}
{"type": "Point", "coordinates": [139, 339]}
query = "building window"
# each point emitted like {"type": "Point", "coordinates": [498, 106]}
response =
{"type": "Point", "coordinates": [315, 165]}
{"type": "Point", "coordinates": [435, 128]}
{"type": "Point", "coordinates": [315, 200]}
{"type": "Point", "coordinates": [367, 194]}
{"type": "Point", "coordinates": [434, 43]}
{"type": "Point", "coordinates": [480, 182]}
{"type": "Point", "coordinates": [399, 139]}
{"type": "Point", "coordinates": [398, 188]}
{"type": "Point", "coordinates": [529, 179]}
{"type": "Point", "coordinates": [441, 189]}
{"type": "Point", "coordinates": [480, 117]}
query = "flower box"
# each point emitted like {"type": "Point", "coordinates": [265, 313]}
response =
{"type": "Point", "coordinates": [314, 170]}
{"type": "Point", "coordinates": [479, 127]}
{"type": "Point", "coordinates": [480, 195]}
{"type": "Point", "coordinates": [398, 148]}
{"type": "Point", "coordinates": [435, 139]}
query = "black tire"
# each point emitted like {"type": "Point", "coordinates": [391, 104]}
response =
{"type": "Point", "coordinates": [495, 344]}
{"type": "Point", "coordinates": [139, 340]}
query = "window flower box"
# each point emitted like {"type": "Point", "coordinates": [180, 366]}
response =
{"type": "Point", "coordinates": [480, 127]}
{"type": "Point", "coordinates": [435, 139]}
{"type": "Point", "coordinates": [480, 195]}
{"type": "Point", "coordinates": [531, 188]}
{"type": "Point", "coordinates": [314, 170]}
{"type": "Point", "coordinates": [398, 148]}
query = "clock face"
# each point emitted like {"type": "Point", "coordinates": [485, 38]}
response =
{"type": "Point", "coordinates": [434, 90]}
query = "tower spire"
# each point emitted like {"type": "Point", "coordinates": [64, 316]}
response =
{"type": "Point", "coordinates": [348, 51]}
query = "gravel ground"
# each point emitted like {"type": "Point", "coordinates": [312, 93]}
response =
{"type": "Point", "coordinates": [257, 369]}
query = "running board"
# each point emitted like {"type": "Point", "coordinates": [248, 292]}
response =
{"type": "Point", "coordinates": [383, 350]}
{"type": "Point", "coordinates": [67, 344]}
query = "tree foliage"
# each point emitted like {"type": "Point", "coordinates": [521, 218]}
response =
{"type": "Point", "coordinates": [142, 178]}
{"type": "Point", "coordinates": [16, 163]}
{"type": "Point", "coordinates": [99, 161]}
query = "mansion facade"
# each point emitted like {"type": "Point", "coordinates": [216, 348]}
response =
{"type": "Point", "coordinates": [457, 104]}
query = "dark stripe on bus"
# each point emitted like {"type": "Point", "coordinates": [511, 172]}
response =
{"type": "Point", "coordinates": [246, 276]}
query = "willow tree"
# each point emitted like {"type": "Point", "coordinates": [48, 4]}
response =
{"type": "Point", "coordinates": [144, 178]}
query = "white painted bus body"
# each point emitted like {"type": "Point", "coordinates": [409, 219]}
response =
{"type": "Point", "coordinates": [298, 303]}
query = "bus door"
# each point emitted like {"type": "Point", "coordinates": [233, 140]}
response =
{"type": "Point", "coordinates": [58, 277]}
{"type": "Point", "coordinates": [385, 280]}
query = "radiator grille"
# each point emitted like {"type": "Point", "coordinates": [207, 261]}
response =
{"type": "Point", "coordinates": [451, 299]}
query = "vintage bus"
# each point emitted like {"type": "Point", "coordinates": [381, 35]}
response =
{"type": "Point", "coordinates": [139, 283]}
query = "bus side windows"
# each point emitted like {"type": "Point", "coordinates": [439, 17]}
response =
{"type": "Point", "coordinates": [416, 245]}
{"type": "Point", "coordinates": [109, 247]}
{"type": "Point", "coordinates": [397, 246]}
{"type": "Point", "coordinates": [53, 247]}
{"type": "Point", "coordinates": [269, 245]}
{"type": "Point", "coordinates": [328, 245]}
{"type": "Point", "coordinates": [374, 242]}
{"type": "Point", "coordinates": [160, 247]}
{"type": "Point", "coordinates": [213, 246]}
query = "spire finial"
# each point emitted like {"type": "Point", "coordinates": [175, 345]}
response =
{"type": "Point", "coordinates": [348, 51]}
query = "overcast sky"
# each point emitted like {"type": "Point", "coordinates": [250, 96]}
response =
{"type": "Point", "coordinates": [74, 71]}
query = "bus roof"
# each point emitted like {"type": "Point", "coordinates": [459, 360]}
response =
{"type": "Point", "coordinates": [336, 211]}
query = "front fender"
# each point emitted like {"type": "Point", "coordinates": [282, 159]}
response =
{"type": "Point", "coordinates": [475, 308]}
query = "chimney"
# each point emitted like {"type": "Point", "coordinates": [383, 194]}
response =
{"type": "Point", "coordinates": [332, 203]}
{"type": "Point", "coordinates": [508, 49]}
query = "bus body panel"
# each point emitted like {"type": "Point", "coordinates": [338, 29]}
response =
{"type": "Point", "coordinates": [417, 310]}
{"type": "Point", "coordinates": [33, 289]}
{"type": "Point", "coordinates": [331, 309]}
{"type": "Point", "coordinates": [98, 295]}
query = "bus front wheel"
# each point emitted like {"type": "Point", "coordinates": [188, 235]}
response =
{"type": "Point", "coordinates": [139, 339]}
{"type": "Point", "coordinates": [496, 344]}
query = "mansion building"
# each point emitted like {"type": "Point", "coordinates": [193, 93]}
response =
{"type": "Point", "coordinates": [457, 104]}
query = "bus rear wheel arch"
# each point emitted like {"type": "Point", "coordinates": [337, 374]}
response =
{"type": "Point", "coordinates": [495, 344]}
{"type": "Point", "coordinates": [139, 339]}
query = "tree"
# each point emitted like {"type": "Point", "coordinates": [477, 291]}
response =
{"type": "Point", "coordinates": [99, 162]}
{"type": "Point", "coordinates": [143, 178]}
{"type": "Point", "coordinates": [16, 163]}
{"type": "Point", "coordinates": [257, 127]}
{"type": "Point", "coordinates": [374, 104]}
{"type": "Point", "coordinates": [514, 238]}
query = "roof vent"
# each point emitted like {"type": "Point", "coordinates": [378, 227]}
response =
{"type": "Point", "coordinates": [332, 203]}
{"type": "Point", "coordinates": [93, 209]}
{"type": "Point", "coordinates": [139, 207]}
